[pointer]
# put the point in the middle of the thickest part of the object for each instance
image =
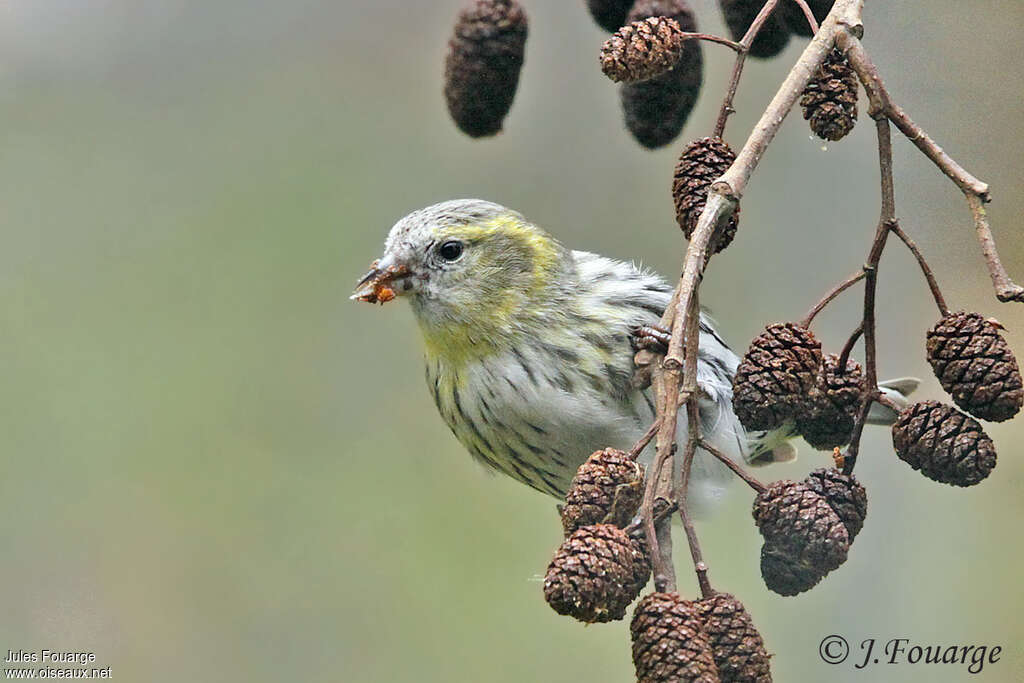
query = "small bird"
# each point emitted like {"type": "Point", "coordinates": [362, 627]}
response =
{"type": "Point", "coordinates": [530, 347]}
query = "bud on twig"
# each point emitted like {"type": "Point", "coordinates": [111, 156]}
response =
{"type": "Point", "coordinates": [485, 55]}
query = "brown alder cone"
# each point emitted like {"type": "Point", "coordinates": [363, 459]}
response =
{"type": "Point", "coordinates": [795, 19]}
{"type": "Point", "coordinates": [826, 418]}
{"type": "Point", "coordinates": [607, 488]}
{"type": "Point", "coordinates": [669, 642]}
{"type": "Point", "coordinates": [779, 369]}
{"type": "Point", "coordinates": [976, 366]}
{"type": "Point", "coordinates": [702, 162]}
{"type": "Point", "coordinates": [785, 575]}
{"type": "Point", "coordinates": [830, 100]}
{"type": "Point", "coordinates": [844, 494]}
{"type": "Point", "coordinates": [736, 645]}
{"type": "Point", "coordinates": [774, 34]}
{"type": "Point", "coordinates": [793, 517]}
{"type": "Point", "coordinates": [596, 573]}
{"type": "Point", "coordinates": [656, 110]}
{"type": "Point", "coordinates": [642, 50]}
{"type": "Point", "coordinates": [485, 55]}
{"type": "Point", "coordinates": [609, 14]}
{"type": "Point", "coordinates": [943, 443]}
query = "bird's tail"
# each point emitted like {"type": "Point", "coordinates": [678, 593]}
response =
{"type": "Point", "coordinates": [776, 445]}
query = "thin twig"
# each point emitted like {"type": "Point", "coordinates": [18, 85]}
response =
{"type": "Point", "coordinates": [828, 298]}
{"type": "Point", "coordinates": [885, 222]}
{"type": "Point", "coordinates": [659, 485]}
{"type": "Point", "coordinates": [933, 285]}
{"type": "Point", "coordinates": [712, 38]}
{"type": "Point", "coordinates": [737, 67]}
{"type": "Point", "coordinates": [808, 14]}
{"type": "Point", "coordinates": [692, 434]}
{"type": "Point", "coordinates": [641, 444]}
{"type": "Point", "coordinates": [751, 481]}
{"type": "Point", "coordinates": [844, 355]}
{"type": "Point", "coordinates": [1006, 289]}
{"type": "Point", "coordinates": [975, 191]}
{"type": "Point", "coordinates": [888, 402]}
{"type": "Point", "coordinates": [663, 511]}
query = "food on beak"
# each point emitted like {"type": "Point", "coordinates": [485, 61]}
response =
{"type": "Point", "coordinates": [375, 287]}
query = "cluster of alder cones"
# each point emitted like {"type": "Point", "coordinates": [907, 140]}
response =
{"type": "Point", "coordinates": [652, 52]}
{"type": "Point", "coordinates": [783, 381]}
{"type": "Point", "coordinates": [603, 566]}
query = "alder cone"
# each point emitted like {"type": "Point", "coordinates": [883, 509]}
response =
{"type": "Point", "coordinates": [943, 443]}
{"type": "Point", "coordinates": [609, 14]}
{"type": "Point", "coordinates": [830, 100]}
{"type": "Point", "coordinates": [976, 366]}
{"type": "Point", "coordinates": [669, 642]}
{"type": "Point", "coordinates": [844, 494]}
{"type": "Point", "coordinates": [642, 50]}
{"type": "Point", "coordinates": [596, 573]}
{"type": "Point", "coordinates": [699, 165]}
{"type": "Point", "coordinates": [785, 575]}
{"type": "Point", "coordinates": [795, 19]}
{"type": "Point", "coordinates": [827, 418]}
{"type": "Point", "coordinates": [656, 110]}
{"type": "Point", "coordinates": [736, 645]}
{"type": "Point", "coordinates": [779, 369]}
{"type": "Point", "coordinates": [485, 55]}
{"type": "Point", "coordinates": [774, 34]}
{"type": "Point", "coordinates": [607, 488]}
{"type": "Point", "coordinates": [793, 517]}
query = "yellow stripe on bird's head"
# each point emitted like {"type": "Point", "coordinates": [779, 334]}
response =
{"type": "Point", "coordinates": [478, 275]}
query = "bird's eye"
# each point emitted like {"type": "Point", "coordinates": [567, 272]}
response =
{"type": "Point", "coordinates": [450, 251]}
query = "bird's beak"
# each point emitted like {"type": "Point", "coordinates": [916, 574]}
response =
{"type": "Point", "coordinates": [378, 286]}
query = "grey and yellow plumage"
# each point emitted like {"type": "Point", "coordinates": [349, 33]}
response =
{"type": "Point", "coordinates": [528, 344]}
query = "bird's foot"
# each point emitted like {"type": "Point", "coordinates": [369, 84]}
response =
{"type": "Point", "coordinates": [651, 338]}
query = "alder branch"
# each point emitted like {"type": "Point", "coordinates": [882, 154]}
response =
{"type": "Point", "coordinates": [675, 378]}
{"type": "Point", "coordinates": [692, 436]}
{"type": "Point", "coordinates": [885, 223]}
{"type": "Point", "coordinates": [975, 191]}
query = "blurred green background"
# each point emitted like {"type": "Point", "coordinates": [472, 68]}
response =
{"type": "Point", "coordinates": [217, 468]}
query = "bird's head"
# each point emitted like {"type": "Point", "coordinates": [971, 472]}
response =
{"type": "Point", "coordinates": [475, 273]}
